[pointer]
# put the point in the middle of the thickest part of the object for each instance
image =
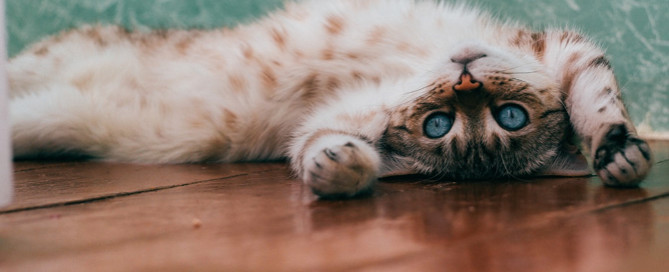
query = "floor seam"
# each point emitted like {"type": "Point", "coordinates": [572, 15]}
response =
{"type": "Point", "coordinates": [627, 203]}
{"type": "Point", "coordinates": [116, 195]}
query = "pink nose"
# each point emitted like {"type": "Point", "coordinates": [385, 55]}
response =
{"type": "Point", "coordinates": [467, 83]}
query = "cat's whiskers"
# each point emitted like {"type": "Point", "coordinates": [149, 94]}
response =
{"type": "Point", "coordinates": [438, 176]}
{"type": "Point", "coordinates": [662, 161]}
{"type": "Point", "coordinates": [520, 73]}
{"type": "Point", "coordinates": [408, 98]}
{"type": "Point", "coordinates": [515, 68]}
{"type": "Point", "coordinates": [518, 79]}
{"type": "Point", "coordinates": [509, 173]}
{"type": "Point", "coordinates": [509, 69]}
{"type": "Point", "coordinates": [624, 86]}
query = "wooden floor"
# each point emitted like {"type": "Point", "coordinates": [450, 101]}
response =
{"type": "Point", "coordinates": [91, 216]}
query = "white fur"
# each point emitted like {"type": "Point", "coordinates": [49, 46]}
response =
{"type": "Point", "coordinates": [154, 101]}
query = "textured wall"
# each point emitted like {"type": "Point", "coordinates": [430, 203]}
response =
{"type": "Point", "coordinates": [635, 32]}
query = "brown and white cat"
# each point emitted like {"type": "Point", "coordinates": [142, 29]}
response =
{"type": "Point", "coordinates": [348, 90]}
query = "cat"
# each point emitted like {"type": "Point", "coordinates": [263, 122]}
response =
{"type": "Point", "coordinates": [348, 91]}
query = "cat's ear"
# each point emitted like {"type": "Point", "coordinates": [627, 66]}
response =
{"type": "Point", "coordinates": [569, 162]}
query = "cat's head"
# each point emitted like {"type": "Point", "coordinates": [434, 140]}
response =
{"type": "Point", "coordinates": [485, 113]}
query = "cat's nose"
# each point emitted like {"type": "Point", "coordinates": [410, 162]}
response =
{"type": "Point", "coordinates": [467, 56]}
{"type": "Point", "coordinates": [467, 83]}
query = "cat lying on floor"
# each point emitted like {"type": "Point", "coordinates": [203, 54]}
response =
{"type": "Point", "coordinates": [347, 90]}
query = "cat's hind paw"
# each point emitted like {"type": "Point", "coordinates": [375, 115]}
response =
{"type": "Point", "coordinates": [340, 166]}
{"type": "Point", "coordinates": [622, 160]}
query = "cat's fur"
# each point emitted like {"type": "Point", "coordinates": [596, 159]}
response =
{"type": "Point", "coordinates": [341, 88]}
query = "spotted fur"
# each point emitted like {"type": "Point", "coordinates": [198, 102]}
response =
{"type": "Point", "coordinates": [342, 88]}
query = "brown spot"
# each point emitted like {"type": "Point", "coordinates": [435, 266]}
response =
{"type": "Point", "coordinates": [94, 34]}
{"type": "Point", "coordinates": [183, 45]}
{"type": "Point", "coordinates": [403, 46]}
{"type": "Point", "coordinates": [606, 92]}
{"type": "Point", "coordinates": [247, 51]}
{"type": "Point", "coordinates": [352, 56]}
{"type": "Point", "coordinates": [328, 53]}
{"type": "Point", "coordinates": [357, 75]}
{"type": "Point", "coordinates": [278, 38]}
{"type": "Point", "coordinates": [42, 51]}
{"type": "Point", "coordinates": [571, 70]}
{"type": "Point", "coordinates": [520, 38]}
{"type": "Point", "coordinates": [269, 78]}
{"type": "Point", "coordinates": [133, 84]}
{"type": "Point", "coordinates": [84, 81]}
{"type": "Point", "coordinates": [536, 41]}
{"type": "Point", "coordinates": [571, 37]}
{"type": "Point", "coordinates": [573, 59]}
{"type": "Point", "coordinates": [539, 44]}
{"type": "Point", "coordinates": [600, 61]}
{"type": "Point", "coordinates": [230, 119]}
{"type": "Point", "coordinates": [237, 82]}
{"type": "Point", "coordinates": [309, 87]}
{"type": "Point", "coordinates": [122, 32]}
{"type": "Point", "coordinates": [332, 83]}
{"type": "Point", "coordinates": [602, 109]}
{"type": "Point", "coordinates": [376, 35]}
{"type": "Point", "coordinates": [334, 24]}
{"type": "Point", "coordinates": [161, 33]}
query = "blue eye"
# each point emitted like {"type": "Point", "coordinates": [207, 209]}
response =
{"type": "Point", "coordinates": [511, 117]}
{"type": "Point", "coordinates": [437, 125]}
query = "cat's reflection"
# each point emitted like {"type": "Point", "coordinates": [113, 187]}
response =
{"type": "Point", "coordinates": [495, 225]}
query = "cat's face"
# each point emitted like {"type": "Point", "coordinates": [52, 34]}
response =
{"type": "Point", "coordinates": [486, 113]}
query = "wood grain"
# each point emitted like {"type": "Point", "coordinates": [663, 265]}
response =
{"type": "Point", "coordinates": [83, 216]}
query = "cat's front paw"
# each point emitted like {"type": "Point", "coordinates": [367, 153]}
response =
{"type": "Point", "coordinates": [621, 159]}
{"type": "Point", "coordinates": [340, 166]}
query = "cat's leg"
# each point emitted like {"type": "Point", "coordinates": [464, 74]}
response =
{"type": "Point", "coordinates": [334, 151]}
{"type": "Point", "coordinates": [593, 99]}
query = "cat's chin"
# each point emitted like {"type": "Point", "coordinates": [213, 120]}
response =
{"type": "Point", "coordinates": [569, 162]}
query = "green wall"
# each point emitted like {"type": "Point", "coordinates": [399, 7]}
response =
{"type": "Point", "coordinates": [635, 32]}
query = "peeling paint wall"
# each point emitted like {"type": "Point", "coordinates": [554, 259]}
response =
{"type": "Point", "coordinates": [635, 32]}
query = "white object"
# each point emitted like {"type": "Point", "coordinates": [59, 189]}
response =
{"type": "Point", "coordinates": [6, 186]}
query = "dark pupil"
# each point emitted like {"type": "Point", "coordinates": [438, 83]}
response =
{"type": "Point", "coordinates": [437, 125]}
{"type": "Point", "coordinates": [510, 114]}
{"type": "Point", "coordinates": [512, 117]}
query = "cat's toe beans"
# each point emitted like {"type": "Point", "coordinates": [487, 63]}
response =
{"type": "Point", "coordinates": [619, 172]}
{"type": "Point", "coordinates": [625, 167]}
{"type": "Point", "coordinates": [341, 169]}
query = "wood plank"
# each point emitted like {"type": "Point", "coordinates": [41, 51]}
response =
{"type": "Point", "coordinates": [630, 238]}
{"type": "Point", "coordinates": [265, 220]}
{"type": "Point", "coordinates": [57, 183]}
